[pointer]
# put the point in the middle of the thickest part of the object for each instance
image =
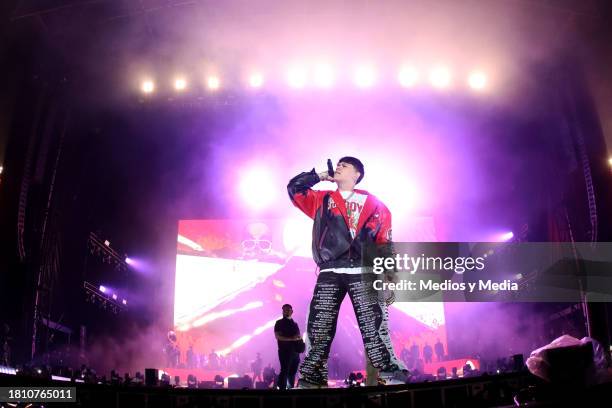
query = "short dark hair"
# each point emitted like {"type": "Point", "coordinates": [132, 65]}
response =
{"type": "Point", "coordinates": [355, 162]}
{"type": "Point", "coordinates": [287, 305]}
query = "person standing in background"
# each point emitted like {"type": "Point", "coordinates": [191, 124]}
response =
{"type": "Point", "coordinates": [256, 366]}
{"type": "Point", "coordinates": [287, 334]}
{"type": "Point", "coordinates": [439, 348]}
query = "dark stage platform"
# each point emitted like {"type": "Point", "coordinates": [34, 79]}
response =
{"type": "Point", "coordinates": [482, 391]}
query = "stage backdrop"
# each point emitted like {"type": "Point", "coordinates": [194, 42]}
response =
{"type": "Point", "coordinates": [233, 276]}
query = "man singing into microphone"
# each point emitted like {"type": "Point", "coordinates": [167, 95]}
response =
{"type": "Point", "coordinates": [344, 220]}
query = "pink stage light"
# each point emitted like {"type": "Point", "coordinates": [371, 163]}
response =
{"type": "Point", "coordinates": [139, 265]}
{"type": "Point", "coordinates": [102, 289]}
{"type": "Point", "coordinates": [180, 84]}
{"type": "Point", "coordinates": [408, 76]}
{"type": "Point", "coordinates": [507, 236]}
{"type": "Point", "coordinates": [477, 80]}
{"type": "Point", "coordinates": [440, 77]}
{"type": "Point", "coordinates": [213, 82]}
{"type": "Point", "coordinates": [256, 80]}
{"type": "Point", "coordinates": [297, 77]}
{"type": "Point", "coordinates": [400, 201]}
{"type": "Point", "coordinates": [323, 76]}
{"type": "Point", "coordinates": [258, 188]}
{"type": "Point", "coordinates": [114, 296]}
{"type": "Point", "coordinates": [147, 86]}
{"type": "Point", "coordinates": [364, 76]}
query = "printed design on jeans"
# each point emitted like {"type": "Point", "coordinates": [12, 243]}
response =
{"type": "Point", "coordinates": [370, 311]}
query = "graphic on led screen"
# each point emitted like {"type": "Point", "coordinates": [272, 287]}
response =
{"type": "Point", "coordinates": [233, 276]}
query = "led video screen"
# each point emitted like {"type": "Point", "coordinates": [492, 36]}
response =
{"type": "Point", "coordinates": [233, 276]}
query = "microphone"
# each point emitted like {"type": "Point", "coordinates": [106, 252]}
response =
{"type": "Point", "coordinates": [330, 168]}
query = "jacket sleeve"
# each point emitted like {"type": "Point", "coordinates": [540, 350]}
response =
{"type": "Point", "coordinates": [388, 249]}
{"type": "Point", "coordinates": [384, 233]}
{"type": "Point", "coordinates": [302, 195]}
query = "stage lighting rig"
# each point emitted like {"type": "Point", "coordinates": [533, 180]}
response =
{"type": "Point", "coordinates": [106, 253]}
{"type": "Point", "coordinates": [94, 294]}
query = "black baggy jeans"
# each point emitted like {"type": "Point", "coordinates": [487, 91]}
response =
{"type": "Point", "coordinates": [372, 318]}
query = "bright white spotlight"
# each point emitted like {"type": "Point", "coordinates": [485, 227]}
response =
{"type": "Point", "coordinates": [180, 84]}
{"type": "Point", "coordinates": [213, 82]}
{"type": "Point", "coordinates": [609, 162]}
{"type": "Point", "coordinates": [297, 77]}
{"type": "Point", "coordinates": [102, 289]}
{"type": "Point", "coordinates": [477, 80]}
{"type": "Point", "coordinates": [128, 260]}
{"type": "Point", "coordinates": [258, 188]}
{"type": "Point", "coordinates": [408, 77]}
{"type": "Point", "coordinates": [364, 76]}
{"type": "Point", "coordinates": [440, 77]}
{"type": "Point", "coordinates": [507, 236]}
{"type": "Point", "coordinates": [124, 302]}
{"type": "Point", "coordinates": [323, 76]}
{"type": "Point", "coordinates": [147, 86]}
{"type": "Point", "coordinates": [107, 242]}
{"type": "Point", "coordinates": [114, 296]}
{"type": "Point", "coordinates": [256, 80]}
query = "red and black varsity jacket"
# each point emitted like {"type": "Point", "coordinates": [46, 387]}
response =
{"type": "Point", "coordinates": [332, 244]}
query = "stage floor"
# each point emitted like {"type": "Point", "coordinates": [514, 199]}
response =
{"type": "Point", "coordinates": [203, 374]}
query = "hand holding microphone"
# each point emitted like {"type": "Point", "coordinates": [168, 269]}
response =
{"type": "Point", "coordinates": [329, 174]}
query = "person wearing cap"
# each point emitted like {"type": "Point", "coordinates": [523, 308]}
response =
{"type": "Point", "coordinates": [344, 221]}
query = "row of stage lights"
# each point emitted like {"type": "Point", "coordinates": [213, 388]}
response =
{"type": "Point", "coordinates": [114, 296]}
{"type": "Point", "coordinates": [323, 77]}
{"type": "Point", "coordinates": [104, 297]}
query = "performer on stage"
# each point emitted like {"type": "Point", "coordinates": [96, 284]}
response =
{"type": "Point", "coordinates": [344, 220]}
